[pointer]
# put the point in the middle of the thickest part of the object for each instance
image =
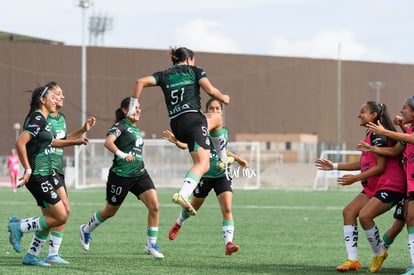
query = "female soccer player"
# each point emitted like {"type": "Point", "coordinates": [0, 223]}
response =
{"type": "Point", "coordinates": [127, 174]}
{"type": "Point", "coordinates": [34, 147]}
{"type": "Point", "coordinates": [397, 150]}
{"type": "Point", "coordinates": [58, 121]}
{"type": "Point", "coordinates": [181, 87]}
{"type": "Point", "coordinates": [407, 112]}
{"type": "Point", "coordinates": [13, 167]}
{"type": "Point", "coordinates": [383, 187]}
{"type": "Point", "coordinates": [214, 179]}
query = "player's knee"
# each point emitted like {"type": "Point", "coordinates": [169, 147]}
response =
{"type": "Point", "coordinates": [206, 168]}
{"type": "Point", "coordinates": [68, 211]}
{"type": "Point", "coordinates": [60, 219]}
{"type": "Point", "coordinates": [154, 207]}
{"type": "Point", "coordinates": [348, 213]}
{"type": "Point", "coordinates": [366, 219]}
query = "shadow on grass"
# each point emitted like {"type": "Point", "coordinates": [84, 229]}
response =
{"type": "Point", "coordinates": [148, 265]}
{"type": "Point", "coordinates": [260, 268]}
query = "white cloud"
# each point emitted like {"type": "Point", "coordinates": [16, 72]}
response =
{"type": "Point", "coordinates": [202, 35]}
{"type": "Point", "coordinates": [326, 45]}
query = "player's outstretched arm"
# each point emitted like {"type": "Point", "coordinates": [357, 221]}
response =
{"type": "Point", "coordinates": [242, 162]}
{"type": "Point", "coordinates": [89, 123]}
{"type": "Point", "coordinates": [380, 130]}
{"type": "Point", "coordinates": [169, 136]}
{"type": "Point", "coordinates": [140, 83]}
{"type": "Point", "coordinates": [394, 151]}
{"type": "Point", "coordinates": [213, 91]}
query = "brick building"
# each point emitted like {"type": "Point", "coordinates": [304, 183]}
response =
{"type": "Point", "coordinates": [269, 94]}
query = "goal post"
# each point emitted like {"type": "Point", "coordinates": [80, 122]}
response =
{"type": "Point", "coordinates": [324, 179]}
{"type": "Point", "coordinates": [165, 163]}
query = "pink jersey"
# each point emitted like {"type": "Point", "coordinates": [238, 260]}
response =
{"type": "Point", "coordinates": [368, 161]}
{"type": "Point", "coordinates": [13, 163]}
{"type": "Point", "coordinates": [392, 178]}
{"type": "Point", "coordinates": [409, 161]}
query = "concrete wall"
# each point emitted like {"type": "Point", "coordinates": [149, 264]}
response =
{"type": "Point", "coordinates": [269, 94]}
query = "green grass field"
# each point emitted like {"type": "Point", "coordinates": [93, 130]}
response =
{"type": "Point", "coordinates": [279, 232]}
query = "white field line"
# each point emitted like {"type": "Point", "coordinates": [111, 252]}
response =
{"type": "Point", "coordinates": [129, 204]}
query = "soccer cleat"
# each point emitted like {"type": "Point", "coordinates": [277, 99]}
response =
{"type": "Point", "coordinates": [222, 164]}
{"type": "Point", "coordinates": [154, 251]}
{"type": "Point", "coordinates": [29, 259]}
{"type": "Point", "coordinates": [376, 262]}
{"type": "Point", "coordinates": [410, 271]}
{"type": "Point", "coordinates": [84, 238]}
{"type": "Point", "coordinates": [15, 234]}
{"type": "Point", "coordinates": [231, 248]}
{"type": "Point", "coordinates": [55, 259]}
{"type": "Point", "coordinates": [349, 265]}
{"type": "Point", "coordinates": [172, 234]}
{"type": "Point", "coordinates": [179, 199]}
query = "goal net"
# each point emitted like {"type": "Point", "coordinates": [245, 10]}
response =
{"type": "Point", "coordinates": [165, 163]}
{"type": "Point", "coordinates": [325, 179]}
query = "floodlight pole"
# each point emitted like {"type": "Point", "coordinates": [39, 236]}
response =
{"type": "Point", "coordinates": [16, 127]}
{"type": "Point", "coordinates": [377, 86]}
{"type": "Point", "coordinates": [339, 102]}
{"type": "Point", "coordinates": [84, 4]}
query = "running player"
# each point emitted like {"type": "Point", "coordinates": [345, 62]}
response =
{"type": "Point", "coordinates": [181, 85]}
{"type": "Point", "coordinates": [127, 174]}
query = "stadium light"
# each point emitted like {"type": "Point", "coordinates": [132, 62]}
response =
{"type": "Point", "coordinates": [377, 86]}
{"type": "Point", "coordinates": [98, 25]}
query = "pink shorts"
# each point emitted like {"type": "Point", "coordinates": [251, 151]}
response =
{"type": "Point", "coordinates": [14, 172]}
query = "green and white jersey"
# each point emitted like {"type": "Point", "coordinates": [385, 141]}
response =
{"type": "Point", "coordinates": [39, 148]}
{"type": "Point", "coordinates": [128, 140]}
{"type": "Point", "coordinates": [214, 172]}
{"type": "Point", "coordinates": [181, 89]}
{"type": "Point", "coordinates": [58, 123]}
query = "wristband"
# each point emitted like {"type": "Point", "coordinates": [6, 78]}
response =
{"type": "Point", "coordinates": [121, 154]}
{"type": "Point", "coordinates": [28, 171]}
{"type": "Point", "coordinates": [132, 103]}
{"type": "Point", "coordinates": [335, 166]}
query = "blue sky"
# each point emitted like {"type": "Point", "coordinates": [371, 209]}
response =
{"type": "Point", "coordinates": [367, 30]}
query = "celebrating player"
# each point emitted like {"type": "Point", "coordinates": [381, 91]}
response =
{"type": "Point", "coordinates": [394, 151]}
{"type": "Point", "coordinates": [181, 87]}
{"type": "Point", "coordinates": [127, 174]}
{"type": "Point", "coordinates": [214, 179]}
{"type": "Point", "coordinates": [34, 147]}
{"type": "Point", "coordinates": [383, 185]}
{"type": "Point", "coordinates": [407, 112]}
{"type": "Point", "coordinates": [58, 121]}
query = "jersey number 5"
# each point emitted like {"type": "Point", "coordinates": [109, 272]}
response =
{"type": "Point", "coordinates": [177, 96]}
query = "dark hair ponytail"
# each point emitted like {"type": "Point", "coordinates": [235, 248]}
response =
{"type": "Point", "coordinates": [37, 94]}
{"type": "Point", "coordinates": [410, 102]}
{"type": "Point", "coordinates": [181, 54]}
{"type": "Point", "coordinates": [119, 114]}
{"type": "Point", "coordinates": [382, 115]}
